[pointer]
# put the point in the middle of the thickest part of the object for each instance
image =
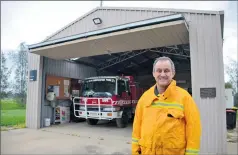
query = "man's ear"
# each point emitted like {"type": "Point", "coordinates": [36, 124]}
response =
{"type": "Point", "coordinates": [173, 75]}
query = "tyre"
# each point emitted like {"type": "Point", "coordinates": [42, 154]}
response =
{"type": "Point", "coordinates": [123, 121]}
{"type": "Point", "coordinates": [92, 121]}
{"type": "Point", "coordinates": [132, 118]}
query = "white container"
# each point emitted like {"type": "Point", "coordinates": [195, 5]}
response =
{"type": "Point", "coordinates": [47, 121]}
{"type": "Point", "coordinates": [229, 98]}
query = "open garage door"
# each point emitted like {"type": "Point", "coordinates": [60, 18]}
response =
{"type": "Point", "coordinates": [151, 33]}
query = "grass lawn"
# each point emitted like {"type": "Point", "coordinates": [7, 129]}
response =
{"type": "Point", "coordinates": [10, 104]}
{"type": "Point", "coordinates": [13, 117]}
{"type": "Point", "coordinates": [12, 113]}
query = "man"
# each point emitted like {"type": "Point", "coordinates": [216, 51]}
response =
{"type": "Point", "coordinates": [167, 120]}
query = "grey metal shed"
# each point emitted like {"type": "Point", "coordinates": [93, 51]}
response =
{"type": "Point", "coordinates": [125, 29]}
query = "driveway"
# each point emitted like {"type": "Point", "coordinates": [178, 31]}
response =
{"type": "Point", "coordinates": [73, 138]}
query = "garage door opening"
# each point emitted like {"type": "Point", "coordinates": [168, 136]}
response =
{"type": "Point", "coordinates": [137, 64]}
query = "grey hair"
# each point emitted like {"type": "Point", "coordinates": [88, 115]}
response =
{"type": "Point", "coordinates": [164, 59]}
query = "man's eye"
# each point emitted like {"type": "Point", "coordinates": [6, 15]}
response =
{"type": "Point", "coordinates": [166, 71]}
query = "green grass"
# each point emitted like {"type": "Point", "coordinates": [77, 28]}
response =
{"type": "Point", "coordinates": [12, 117]}
{"type": "Point", "coordinates": [11, 105]}
{"type": "Point", "coordinates": [12, 114]}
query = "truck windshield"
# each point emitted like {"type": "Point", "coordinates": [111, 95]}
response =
{"type": "Point", "coordinates": [99, 87]}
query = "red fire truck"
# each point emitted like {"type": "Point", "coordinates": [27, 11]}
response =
{"type": "Point", "coordinates": [108, 98]}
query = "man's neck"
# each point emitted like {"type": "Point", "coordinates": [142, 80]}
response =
{"type": "Point", "coordinates": [160, 89]}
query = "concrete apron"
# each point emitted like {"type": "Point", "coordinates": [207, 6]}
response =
{"type": "Point", "coordinates": [73, 138]}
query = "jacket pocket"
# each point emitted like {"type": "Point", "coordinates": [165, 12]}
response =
{"type": "Point", "coordinates": [175, 113]}
{"type": "Point", "coordinates": [175, 129]}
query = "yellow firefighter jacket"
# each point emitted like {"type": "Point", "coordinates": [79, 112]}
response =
{"type": "Point", "coordinates": [167, 123]}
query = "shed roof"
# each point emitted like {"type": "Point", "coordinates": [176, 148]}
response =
{"type": "Point", "coordinates": [140, 9]}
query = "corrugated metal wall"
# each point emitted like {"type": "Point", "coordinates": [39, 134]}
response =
{"type": "Point", "coordinates": [67, 69]}
{"type": "Point", "coordinates": [33, 108]}
{"type": "Point", "coordinates": [63, 69]}
{"type": "Point", "coordinates": [206, 64]}
{"type": "Point", "coordinates": [207, 71]}
{"type": "Point", "coordinates": [110, 17]}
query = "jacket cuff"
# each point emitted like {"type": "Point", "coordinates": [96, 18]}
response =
{"type": "Point", "coordinates": [135, 146]}
{"type": "Point", "coordinates": [135, 141]}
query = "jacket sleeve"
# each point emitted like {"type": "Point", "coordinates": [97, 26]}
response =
{"type": "Point", "coordinates": [137, 128]}
{"type": "Point", "coordinates": [193, 126]}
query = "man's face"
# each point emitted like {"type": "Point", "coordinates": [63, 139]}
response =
{"type": "Point", "coordinates": [163, 73]}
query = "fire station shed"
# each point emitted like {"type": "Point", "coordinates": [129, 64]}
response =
{"type": "Point", "coordinates": [114, 41]}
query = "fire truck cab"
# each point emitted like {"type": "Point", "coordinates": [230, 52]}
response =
{"type": "Point", "coordinates": [108, 98]}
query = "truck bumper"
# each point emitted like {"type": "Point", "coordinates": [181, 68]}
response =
{"type": "Point", "coordinates": [98, 115]}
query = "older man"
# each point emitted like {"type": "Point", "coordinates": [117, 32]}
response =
{"type": "Point", "coordinates": [167, 120]}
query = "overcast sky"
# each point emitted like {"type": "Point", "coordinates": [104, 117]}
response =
{"type": "Point", "coordinates": [32, 22]}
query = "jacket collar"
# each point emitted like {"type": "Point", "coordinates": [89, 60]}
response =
{"type": "Point", "coordinates": [168, 92]}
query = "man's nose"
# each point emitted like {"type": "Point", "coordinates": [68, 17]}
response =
{"type": "Point", "coordinates": [162, 73]}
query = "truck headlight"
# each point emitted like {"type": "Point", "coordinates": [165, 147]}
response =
{"type": "Point", "coordinates": [82, 108]}
{"type": "Point", "coordinates": [111, 109]}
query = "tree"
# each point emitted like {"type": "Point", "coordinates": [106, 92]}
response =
{"type": "Point", "coordinates": [4, 75]}
{"type": "Point", "coordinates": [228, 85]}
{"type": "Point", "coordinates": [232, 72]}
{"type": "Point", "coordinates": [20, 60]}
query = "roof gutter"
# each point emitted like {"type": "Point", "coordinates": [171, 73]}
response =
{"type": "Point", "coordinates": [133, 25]}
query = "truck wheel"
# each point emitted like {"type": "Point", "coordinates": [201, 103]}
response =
{"type": "Point", "coordinates": [92, 121]}
{"type": "Point", "coordinates": [132, 118]}
{"type": "Point", "coordinates": [123, 121]}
